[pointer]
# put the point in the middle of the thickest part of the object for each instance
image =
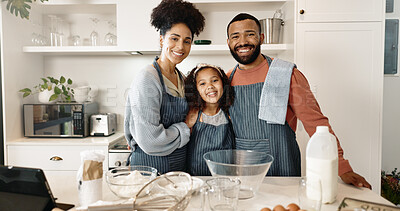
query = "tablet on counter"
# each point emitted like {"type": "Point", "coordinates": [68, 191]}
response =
{"type": "Point", "coordinates": [26, 189]}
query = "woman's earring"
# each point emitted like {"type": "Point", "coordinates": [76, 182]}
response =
{"type": "Point", "coordinates": [161, 41]}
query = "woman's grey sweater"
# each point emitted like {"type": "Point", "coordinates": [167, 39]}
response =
{"type": "Point", "coordinates": [142, 117]}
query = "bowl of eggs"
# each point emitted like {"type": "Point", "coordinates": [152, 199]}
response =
{"type": "Point", "coordinates": [250, 167]}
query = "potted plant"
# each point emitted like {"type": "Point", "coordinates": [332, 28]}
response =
{"type": "Point", "coordinates": [51, 89]}
{"type": "Point", "coordinates": [390, 186]}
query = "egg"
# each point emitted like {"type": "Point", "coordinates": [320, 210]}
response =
{"type": "Point", "coordinates": [265, 209]}
{"type": "Point", "coordinates": [279, 208]}
{"type": "Point", "coordinates": [293, 207]}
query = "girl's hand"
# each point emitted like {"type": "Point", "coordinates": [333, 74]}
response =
{"type": "Point", "coordinates": [191, 117]}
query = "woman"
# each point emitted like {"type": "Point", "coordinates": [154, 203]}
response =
{"type": "Point", "coordinates": [156, 107]}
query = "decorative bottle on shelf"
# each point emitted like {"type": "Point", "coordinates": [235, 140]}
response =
{"type": "Point", "coordinates": [322, 162]}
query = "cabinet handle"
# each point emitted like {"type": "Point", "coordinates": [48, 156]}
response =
{"type": "Point", "coordinates": [55, 158]}
{"type": "Point", "coordinates": [301, 12]}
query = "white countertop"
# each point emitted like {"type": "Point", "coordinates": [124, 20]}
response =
{"type": "Point", "coordinates": [90, 140]}
{"type": "Point", "coordinates": [283, 190]}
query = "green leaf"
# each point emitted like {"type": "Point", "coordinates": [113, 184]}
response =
{"type": "Point", "coordinates": [62, 79]}
{"type": "Point", "coordinates": [69, 81]}
{"type": "Point", "coordinates": [25, 90]}
{"type": "Point", "coordinates": [53, 97]}
{"type": "Point", "coordinates": [68, 99]}
{"type": "Point", "coordinates": [44, 80]}
{"type": "Point", "coordinates": [26, 94]}
{"type": "Point", "coordinates": [20, 7]}
{"type": "Point", "coordinates": [57, 90]}
{"type": "Point", "coordinates": [53, 80]}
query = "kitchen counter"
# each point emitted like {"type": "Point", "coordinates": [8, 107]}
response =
{"type": "Point", "coordinates": [284, 190]}
{"type": "Point", "coordinates": [90, 140]}
{"type": "Point", "coordinates": [59, 158]}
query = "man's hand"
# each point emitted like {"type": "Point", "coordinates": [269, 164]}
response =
{"type": "Point", "coordinates": [355, 179]}
{"type": "Point", "coordinates": [192, 117]}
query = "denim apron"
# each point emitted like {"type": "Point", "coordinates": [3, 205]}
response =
{"type": "Point", "coordinates": [173, 110]}
{"type": "Point", "coordinates": [205, 138]}
{"type": "Point", "coordinates": [253, 133]}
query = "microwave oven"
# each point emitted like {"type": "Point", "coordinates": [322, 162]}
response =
{"type": "Point", "coordinates": [58, 120]}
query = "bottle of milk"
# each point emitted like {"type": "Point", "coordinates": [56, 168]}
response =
{"type": "Point", "coordinates": [322, 162]}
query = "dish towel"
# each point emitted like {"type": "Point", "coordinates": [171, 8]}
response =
{"type": "Point", "coordinates": [275, 92]}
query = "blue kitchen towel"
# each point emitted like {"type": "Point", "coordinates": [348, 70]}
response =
{"type": "Point", "coordinates": [275, 92]}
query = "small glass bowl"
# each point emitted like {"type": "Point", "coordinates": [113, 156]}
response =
{"type": "Point", "coordinates": [126, 181]}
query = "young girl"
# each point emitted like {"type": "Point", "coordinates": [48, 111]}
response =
{"type": "Point", "coordinates": [209, 95]}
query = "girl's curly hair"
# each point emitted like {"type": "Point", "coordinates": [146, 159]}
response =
{"type": "Point", "coordinates": [170, 12]}
{"type": "Point", "coordinates": [193, 96]}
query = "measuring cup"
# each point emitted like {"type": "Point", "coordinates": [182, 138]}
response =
{"type": "Point", "coordinates": [220, 194]}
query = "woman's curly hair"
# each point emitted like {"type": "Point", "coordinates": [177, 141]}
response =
{"type": "Point", "coordinates": [170, 12]}
{"type": "Point", "coordinates": [193, 96]}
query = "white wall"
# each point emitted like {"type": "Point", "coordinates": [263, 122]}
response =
{"type": "Point", "coordinates": [391, 113]}
{"type": "Point", "coordinates": [17, 67]}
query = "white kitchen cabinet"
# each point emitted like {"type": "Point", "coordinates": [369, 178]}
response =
{"type": "Point", "coordinates": [74, 19]}
{"type": "Point", "coordinates": [53, 157]}
{"type": "Point", "coordinates": [135, 34]}
{"type": "Point", "coordinates": [339, 10]}
{"type": "Point", "coordinates": [339, 48]}
{"type": "Point", "coordinates": [217, 15]}
{"type": "Point", "coordinates": [60, 172]}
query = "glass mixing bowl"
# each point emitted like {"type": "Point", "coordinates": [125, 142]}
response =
{"type": "Point", "coordinates": [249, 166]}
{"type": "Point", "coordinates": [126, 181]}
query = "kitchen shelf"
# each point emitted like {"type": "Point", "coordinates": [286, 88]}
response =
{"type": "Point", "coordinates": [117, 51]}
{"type": "Point", "coordinates": [76, 50]}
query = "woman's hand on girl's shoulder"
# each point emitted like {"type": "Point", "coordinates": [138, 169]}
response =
{"type": "Point", "coordinates": [192, 117]}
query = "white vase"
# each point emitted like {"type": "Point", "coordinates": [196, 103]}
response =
{"type": "Point", "coordinates": [44, 97]}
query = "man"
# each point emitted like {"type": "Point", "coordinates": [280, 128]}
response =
{"type": "Point", "coordinates": [264, 115]}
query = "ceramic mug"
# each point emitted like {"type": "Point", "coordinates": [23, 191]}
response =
{"type": "Point", "coordinates": [81, 94]}
{"type": "Point", "coordinates": [82, 90]}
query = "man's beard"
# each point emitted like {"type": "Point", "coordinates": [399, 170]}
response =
{"type": "Point", "coordinates": [246, 59]}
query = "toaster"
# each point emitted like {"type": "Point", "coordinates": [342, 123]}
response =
{"type": "Point", "coordinates": [103, 124]}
